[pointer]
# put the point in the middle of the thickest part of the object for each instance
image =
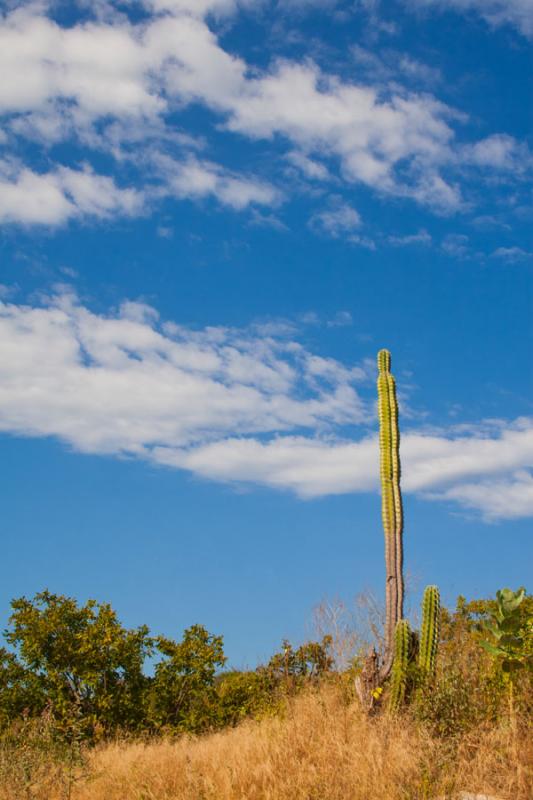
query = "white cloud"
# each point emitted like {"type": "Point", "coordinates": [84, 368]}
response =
{"type": "Point", "coordinates": [499, 152]}
{"type": "Point", "coordinates": [122, 384]}
{"type": "Point", "coordinates": [369, 135]}
{"type": "Point", "coordinates": [52, 198]}
{"type": "Point", "coordinates": [342, 319]}
{"type": "Point", "coordinates": [259, 220]}
{"type": "Point", "coordinates": [436, 460]}
{"type": "Point", "coordinates": [60, 82]}
{"type": "Point", "coordinates": [389, 65]}
{"type": "Point", "coordinates": [518, 13]}
{"type": "Point", "coordinates": [500, 499]}
{"type": "Point", "coordinates": [310, 168]}
{"type": "Point", "coordinates": [422, 237]}
{"type": "Point", "coordinates": [418, 71]}
{"type": "Point", "coordinates": [341, 220]}
{"type": "Point", "coordinates": [101, 68]}
{"type": "Point", "coordinates": [456, 245]}
{"type": "Point", "coordinates": [461, 469]}
{"type": "Point", "coordinates": [304, 4]}
{"type": "Point", "coordinates": [197, 179]}
{"type": "Point", "coordinates": [198, 8]}
{"type": "Point", "coordinates": [308, 467]}
{"type": "Point", "coordinates": [511, 253]}
{"type": "Point", "coordinates": [233, 405]}
{"type": "Point", "coordinates": [117, 85]}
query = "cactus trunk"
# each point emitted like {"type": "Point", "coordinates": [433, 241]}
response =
{"type": "Point", "coordinates": [391, 499]}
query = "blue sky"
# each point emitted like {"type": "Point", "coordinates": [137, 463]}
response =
{"type": "Point", "coordinates": [213, 214]}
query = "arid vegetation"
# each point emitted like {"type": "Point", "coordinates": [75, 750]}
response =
{"type": "Point", "coordinates": [400, 715]}
{"type": "Point", "coordinates": [293, 728]}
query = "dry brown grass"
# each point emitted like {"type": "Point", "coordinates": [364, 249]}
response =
{"type": "Point", "coordinates": [322, 749]}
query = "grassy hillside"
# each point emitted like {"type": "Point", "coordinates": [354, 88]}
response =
{"type": "Point", "coordinates": [81, 720]}
{"type": "Point", "coordinates": [322, 747]}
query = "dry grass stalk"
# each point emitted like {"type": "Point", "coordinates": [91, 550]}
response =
{"type": "Point", "coordinates": [322, 749]}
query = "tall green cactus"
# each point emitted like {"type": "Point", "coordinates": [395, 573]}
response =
{"type": "Point", "coordinates": [430, 632]}
{"type": "Point", "coordinates": [391, 504]}
{"type": "Point", "coordinates": [399, 641]}
{"type": "Point", "coordinates": [400, 666]}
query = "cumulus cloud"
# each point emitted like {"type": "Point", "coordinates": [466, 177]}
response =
{"type": "Point", "coordinates": [123, 384]}
{"type": "Point", "coordinates": [234, 405]}
{"type": "Point", "coordinates": [508, 499]}
{"type": "Point", "coordinates": [100, 68]}
{"type": "Point", "coordinates": [52, 198]}
{"type": "Point", "coordinates": [114, 83]}
{"type": "Point", "coordinates": [499, 152]}
{"type": "Point", "coordinates": [370, 135]}
{"type": "Point", "coordinates": [197, 179]}
{"type": "Point", "coordinates": [465, 470]}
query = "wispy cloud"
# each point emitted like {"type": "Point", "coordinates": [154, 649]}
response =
{"type": "Point", "coordinates": [511, 254]}
{"type": "Point", "coordinates": [123, 383]}
{"type": "Point", "coordinates": [456, 245]}
{"type": "Point", "coordinates": [422, 238]}
{"type": "Point", "coordinates": [117, 84]}
{"type": "Point", "coordinates": [236, 405]}
{"type": "Point", "coordinates": [510, 498]}
{"type": "Point", "coordinates": [518, 13]}
{"type": "Point", "coordinates": [340, 220]}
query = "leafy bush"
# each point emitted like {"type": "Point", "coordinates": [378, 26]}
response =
{"type": "Point", "coordinates": [182, 695]}
{"type": "Point", "coordinates": [469, 688]}
{"type": "Point", "coordinates": [80, 660]}
{"type": "Point", "coordinates": [81, 667]}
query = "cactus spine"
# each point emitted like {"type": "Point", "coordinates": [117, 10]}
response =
{"type": "Point", "coordinates": [391, 504]}
{"type": "Point", "coordinates": [430, 632]}
{"type": "Point", "coordinates": [402, 648]}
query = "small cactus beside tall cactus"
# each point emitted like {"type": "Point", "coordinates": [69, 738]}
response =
{"type": "Point", "coordinates": [415, 654]}
{"type": "Point", "coordinates": [400, 665]}
{"type": "Point", "coordinates": [400, 642]}
{"type": "Point", "coordinates": [430, 631]}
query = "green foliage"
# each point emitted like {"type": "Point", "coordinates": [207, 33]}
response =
{"type": "Point", "coordinates": [469, 688]}
{"type": "Point", "coordinates": [182, 696]}
{"type": "Point", "coordinates": [21, 691]}
{"type": "Point", "coordinates": [262, 692]}
{"type": "Point", "coordinates": [430, 631]}
{"type": "Point", "coordinates": [510, 632]}
{"type": "Point", "coordinates": [252, 693]}
{"type": "Point", "coordinates": [72, 674]}
{"type": "Point", "coordinates": [311, 661]}
{"type": "Point", "coordinates": [400, 665]}
{"type": "Point", "coordinates": [80, 658]}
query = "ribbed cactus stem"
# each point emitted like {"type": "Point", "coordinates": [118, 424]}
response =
{"type": "Point", "coordinates": [430, 632]}
{"type": "Point", "coordinates": [391, 504]}
{"type": "Point", "coordinates": [400, 665]}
